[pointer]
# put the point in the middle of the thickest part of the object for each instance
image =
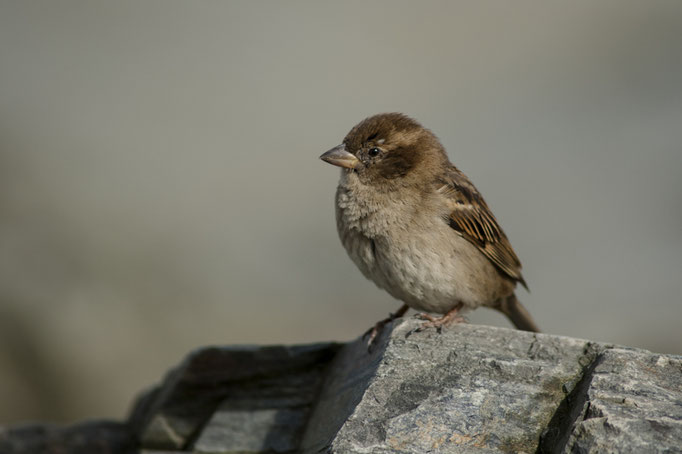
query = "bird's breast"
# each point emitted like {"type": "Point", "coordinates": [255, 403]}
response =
{"type": "Point", "coordinates": [413, 253]}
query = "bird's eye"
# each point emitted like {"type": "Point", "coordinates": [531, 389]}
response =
{"type": "Point", "coordinates": [374, 152]}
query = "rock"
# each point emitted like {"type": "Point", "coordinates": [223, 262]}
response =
{"type": "Point", "coordinates": [467, 389]}
{"type": "Point", "coordinates": [630, 400]}
{"type": "Point", "coordinates": [96, 437]}
{"type": "Point", "coordinates": [482, 389]}
{"type": "Point", "coordinates": [268, 430]}
{"type": "Point", "coordinates": [234, 399]}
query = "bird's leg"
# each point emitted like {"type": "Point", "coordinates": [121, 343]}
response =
{"type": "Point", "coordinates": [450, 317]}
{"type": "Point", "coordinates": [374, 331]}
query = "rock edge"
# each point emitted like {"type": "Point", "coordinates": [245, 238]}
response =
{"type": "Point", "coordinates": [467, 389]}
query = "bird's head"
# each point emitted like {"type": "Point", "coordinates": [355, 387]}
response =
{"type": "Point", "coordinates": [387, 147]}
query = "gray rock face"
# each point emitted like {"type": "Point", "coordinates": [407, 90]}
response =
{"type": "Point", "coordinates": [630, 399]}
{"type": "Point", "coordinates": [476, 389]}
{"type": "Point", "coordinates": [467, 389]}
{"type": "Point", "coordinates": [95, 437]}
{"type": "Point", "coordinates": [243, 399]}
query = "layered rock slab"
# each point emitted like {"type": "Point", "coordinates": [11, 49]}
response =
{"type": "Point", "coordinates": [631, 402]}
{"type": "Point", "coordinates": [234, 399]}
{"type": "Point", "coordinates": [467, 389]}
{"type": "Point", "coordinates": [478, 389]}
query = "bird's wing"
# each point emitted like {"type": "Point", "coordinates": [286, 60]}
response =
{"type": "Point", "coordinates": [470, 216]}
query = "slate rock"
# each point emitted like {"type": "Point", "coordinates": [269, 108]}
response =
{"type": "Point", "coordinates": [477, 389]}
{"type": "Point", "coordinates": [197, 399]}
{"type": "Point", "coordinates": [632, 401]}
{"type": "Point", "coordinates": [93, 437]}
{"type": "Point", "coordinates": [466, 389]}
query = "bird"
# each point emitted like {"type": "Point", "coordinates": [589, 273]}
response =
{"type": "Point", "coordinates": [416, 226]}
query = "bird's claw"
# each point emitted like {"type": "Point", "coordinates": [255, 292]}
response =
{"type": "Point", "coordinates": [374, 331]}
{"type": "Point", "coordinates": [438, 322]}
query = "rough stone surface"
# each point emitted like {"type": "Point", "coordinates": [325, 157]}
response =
{"type": "Point", "coordinates": [481, 389]}
{"type": "Point", "coordinates": [467, 389]}
{"type": "Point", "coordinates": [634, 400]}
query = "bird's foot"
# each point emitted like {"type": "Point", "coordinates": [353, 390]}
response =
{"type": "Point", "coordinates": [439, 322]}
{"type": "Point", "coordinates": [372, 333]}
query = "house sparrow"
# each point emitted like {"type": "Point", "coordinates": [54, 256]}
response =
{"type": "Point", "coordinates": [418, 228]}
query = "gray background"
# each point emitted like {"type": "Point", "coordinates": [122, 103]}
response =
{"type": "Point", "coordinates": [160, 188]}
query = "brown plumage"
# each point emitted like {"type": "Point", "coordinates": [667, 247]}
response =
{"type": "Point", "coordinates": [472, 219]}
{"type": "Point", "coordinates": [416, 226]}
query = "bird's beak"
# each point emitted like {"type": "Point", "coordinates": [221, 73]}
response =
{"type": "Point", "coordinates": [338, 156]}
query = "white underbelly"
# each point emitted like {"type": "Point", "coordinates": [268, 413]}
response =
{"type": "Point", "coordinates": [427, 278]}
{"type": "Point", "coordinates": [428, 275]}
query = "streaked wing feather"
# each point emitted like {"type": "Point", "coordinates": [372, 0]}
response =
{"type": "Point", "coordinates": [471, 217]}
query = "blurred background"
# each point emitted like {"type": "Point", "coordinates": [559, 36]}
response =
{"type": "Point", "coordinates": [160, 187]}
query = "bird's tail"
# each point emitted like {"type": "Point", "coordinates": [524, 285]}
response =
{"type": "Point", "coordinates": [519, 316]}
